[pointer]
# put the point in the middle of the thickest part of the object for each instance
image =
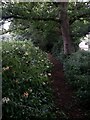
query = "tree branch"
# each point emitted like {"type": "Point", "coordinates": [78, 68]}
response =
{"type": "Point", "coordinates": [31, 18]}
{"type": "Point", "coordinates": [71, 21]}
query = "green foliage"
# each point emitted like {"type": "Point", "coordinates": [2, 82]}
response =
{"type": "Point", "coordinates": [33, 20]}
{"type": "Point", "coordinates": [58, 49]}
{"type": "Point", "coordinates": [26, 89]}
{"type": "Point", "coordinates": [77, 70]}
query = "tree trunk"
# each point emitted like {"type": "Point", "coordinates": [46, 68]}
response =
{"type": "Point", "coordinates": [68, 47]}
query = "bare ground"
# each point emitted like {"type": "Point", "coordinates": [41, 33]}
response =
{"type": "Point", "coordinates": [64, 94]}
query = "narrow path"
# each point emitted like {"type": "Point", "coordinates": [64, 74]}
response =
{"type": "Point", "coordinates": [63, 93]}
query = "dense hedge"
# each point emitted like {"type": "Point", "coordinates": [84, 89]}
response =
{"type": "Point", "coordinates": [77, 70]}
{"type": "Point", "coordinates": [26, 88]}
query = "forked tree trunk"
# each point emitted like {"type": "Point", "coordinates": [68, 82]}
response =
{"type": "Point", "coordinates": [68, 47]}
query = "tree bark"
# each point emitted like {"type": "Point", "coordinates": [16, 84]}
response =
{"type": "Point", "coordinates": [68, 48]}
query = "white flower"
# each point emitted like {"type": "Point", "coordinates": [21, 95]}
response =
{"type": "Point", "coordinates": [6, 68]}
{"type": "Point", "coordinates": [24, 45]}
{"type": "Point", "coordinates": [5, 99]}
{"type": "Point", "coordinates": [49, 74]}
{"type": "Point", "coordinates": [42, 60]}
{"type": "Point", "coordinates": [41, 74]}
{"type": "Point", "coordinates": [43, 83]}
{"type": "Point", "coordinates": [37, 48]}
{"type": "Point", "coordinates": [23, 57]}
{"type": "Point", "coordinates": [30, 90]}
{"type": "Point", "coordinates": [47, 66]}
{"type": "Point", "coordinates": [7, 51]}
{"type": "Point", "coordinates": [26, 61]}
{"type": "Point", "coordinates": [16, 48]}
{"type": "Point", "coordinates": [26, 53]}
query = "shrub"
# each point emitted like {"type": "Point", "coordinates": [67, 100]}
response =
{"type": "Point", "coordinates": [77, 69]}
{"type": "Point", "coordinates": [26, 88]}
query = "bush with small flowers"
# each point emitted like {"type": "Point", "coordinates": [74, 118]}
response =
{"type": "Point", "coordinates": [26, 88]}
